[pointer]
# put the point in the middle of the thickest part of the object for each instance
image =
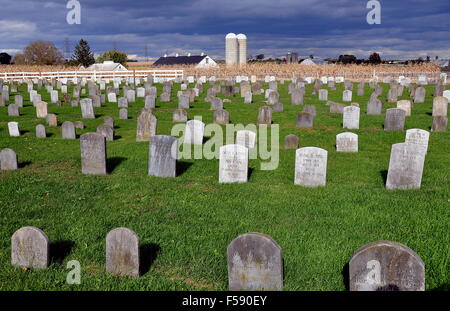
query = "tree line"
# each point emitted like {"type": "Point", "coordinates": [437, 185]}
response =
{"type": "Point", "coordinates": [46, 53]}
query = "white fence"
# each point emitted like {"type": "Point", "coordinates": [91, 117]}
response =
{"type": "Point", "coordinates": [158, 75]}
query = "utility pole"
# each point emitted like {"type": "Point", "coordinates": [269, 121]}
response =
{"type": "Point", "coordinates": [67, 48]}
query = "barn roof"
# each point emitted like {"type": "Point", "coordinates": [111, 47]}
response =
{"type": "Point", "coordinates": [179, 60]}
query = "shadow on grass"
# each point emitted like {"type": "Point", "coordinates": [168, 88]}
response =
{"type": "Point", "coordinates": [346, 276]}
{"type": "Point", "coordinates": [113, 163]}
{"type": "Point", "coordinates": [60, 250]}
{"type": "Point", "coordinates": [24, 164]}
{"type": "Point", "coordinates": [384, 174]}
{"type": "Point", "coordinates": [182, 167]}
{"type": "Point", "coordinates": [147, 256]}
{"type": "Point", "coordinates": [250, 172]}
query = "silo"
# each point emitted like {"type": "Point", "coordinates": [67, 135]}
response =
{"type": "Point", "coordinates": [231, 49]}
{"type": "Point", "coordinates": [242, 40]}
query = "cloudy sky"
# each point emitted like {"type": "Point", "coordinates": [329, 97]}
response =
{"type": "Point", "coordinates": [326, 28]}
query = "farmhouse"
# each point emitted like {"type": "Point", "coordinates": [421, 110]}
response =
{"type": "Point", "coordinates": [106, 66]}
{"type": "Point", "coordinates": [200, 61]}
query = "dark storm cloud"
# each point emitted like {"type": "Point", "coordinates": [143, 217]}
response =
{"type": "Point", "coordinates": [325, 28]}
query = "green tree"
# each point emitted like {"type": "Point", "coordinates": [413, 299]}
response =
{"type": "Point", "coordinates": [375, 59]}
{"type": "Point", "coordinates": [115, 56]}
{"type": "Point", "coordinates": [83, 55]}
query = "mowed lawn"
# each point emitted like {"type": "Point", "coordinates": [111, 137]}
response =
{"type": "Point", "coordinates": [186, 223]}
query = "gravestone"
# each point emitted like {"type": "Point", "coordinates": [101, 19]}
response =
{"type": "Point", "coordinates": [150, 101]}
{"type": "Point", "coordinates": [347, 142]}
{"type": "Point", "coordinates": [311, 167]}
{"type": "Point", "coordinates": [417, 137]}
{"type": "Point", "coordinates": [123, 114]}
{"type": "Point", "coordinates": [405, 105]}
{"type": "Point", "coordinates": [13, 110]}
{"type": "Point", "coordinates": [40, 131]}
{"type": "Point", "coordinates": [393, 94]}
{"type": "Point", "coordinates": [233, 164]}
{"type": "Point", "coordinates": [419, 95]}
{"type": "Point", "coordinates": [163, 156]}
{"type": "Point", "coordinates": [96, 100]}
{"type": "Point", "coordinates": [335, 107]}
{"type": "Point", "coordinates": [106, 130]}
{"type": "Point", "coordinates": [13, 128]}
{"type": "Point", "coordinates": [265, 115]}
{"type": "Point", "coordinates": [41, 109]}
{"type": "Point", "coordinates": [18, 100]}
{"type": "Point", "coordinates": [123, 102]}
{"type": "Point", "coordinates": [122, 252]}
{"type": "Point", "coordinates": [248, 98]}
{"type": "Point", "coordinates": [351, 117]}
{"type": "Point", "coordinates": [183, 101]}
{"type": "Point", "coordinates": [254, 263]}
{"type": "Point", "coordinates": [273, 98]}
{"type": "Point", "coordinates": [216, 103]}
{"type": "Point", "coordinates": [278, 107]}
{"type": "Point", "coordinates": [347, 96]}
{"type": "Point", "coordinates": [164, 97]}
{"type": "Point", "coordinates": [405, 166]}
{"type": "Point", "coordinates": [374, 107]}
{"type": "Point", "coordinates": [310, 109]}
{"type": "Point", "coordinates": [439, 124]}
{"type": "Point", "coordinates": [323, 94]}
{"type": "Point", "coordinates": [112, 98]}
{"type": "Point", "coordinates": [297, 97]}
{"type": "Point", "coordinates": [93, 154]}
{"type": "Point", "coordinates": [394, 120]}
{"type": "Point", "coordinates": [179, 115]}
{"type": "Point", "coordinates": [291, 142]}
{"type": "Point", "coordinates": [8, 160]}
{"type": "Point", "coordinates": [386, 266]}
{"type": "Point", "coordinates": [51, 119]}
{"type": "Point", "coordinates": [221, 116]}
{"type": "Point", "coordinates": [30, 248]}
{"type": "Point", "coordinates": [140, 92]}
{"type": "Point", "coordinates": [246, 138]}
{"type": "Point", "coordinates": [79, 125]}
{"type": "Point", "coordinates": [131, 96]}
{"type": "Point", "coordinates": [87, 109]}
{"type": "Point", "coordinates": [304, 120]}
{"type": "Point", "coordinates": [146, 125]}
{"type": "Point", "coordinates": [108, 120]}
{"type": "Point", "coordinates": [195, 130]}
{"type": "Point", "coordinates": [440, 106]}
{"type": "Point", "coordinates": [68, 130]}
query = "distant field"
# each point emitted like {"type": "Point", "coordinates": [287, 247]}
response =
{"type": "Point", "coordinates": [185, 224]}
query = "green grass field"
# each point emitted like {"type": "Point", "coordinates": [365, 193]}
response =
{"type": "Point", "coordinates": [185, 224]}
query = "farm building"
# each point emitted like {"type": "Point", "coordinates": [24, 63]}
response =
{"type": "Point", "coordinates": [106, 66]}
{"type": "Point", "coordinates": [200, 61]}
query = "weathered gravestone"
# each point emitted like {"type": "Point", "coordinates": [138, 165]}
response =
{"type": "Point", "coordinates": [297, 97]}
{"type": "Point", "coordinates": [123, 102]}
{"type": "Point", "coordinates": [150, 101]}
{"type": "Point", "coordinates": [79, 125]}
{"type": "Point", "coordinates": [163, 156]}
{"type": "Point", "coordinates": [335, 107]}
{"type": "Point", "coordinates": [146, 125]}
{"type": "Point", "coordinates": [265, 115]}
{"type": "Point", "coordinates": [254, 263]}
{"type": "Point", "coordinates": [310, 109]}
{"type": "Point", "coordinates": [112, 98]}
{"type": "Point", "coordinates": [93, 154]}
{"type": "Point", "coordinates": [291, 142]}
{"type": "Point", "coordinates": [183, 101]}
{"type": "Point", "coordinates": [87, 109]}
{"type": "Point", "coordinates": [386, 266]}
{"type": "Point", "coordinates": [123, 114]}
{"type": "Point", "coordinates": [405, 105]}
{"type": "Point", "coordinates": [164, 97]}
{"type": "Point", "coordinates": [374, 107]}
{"type": "Point", "coordinates": [351, 118]}
{"type": "Point", "coordinates": [311, 167]}
{"type": "Point", "coordinates": [51, 119]}
{"type": "Point", "coordinates": [246, 138]}
{"type": "Point", "coordinates": [323, 94]}
{"type": "Point", "coordinates": [8, 160]}
{"type": "Point", "coordinates": [419, 95]}
{"type": "Point", "coordinates": [18, 100]}
{"type": "Point", "coordinates": [248, 98]}
{"type": "Point", "coordinates": [221, 116]}
{"type": "Point", "coordinates": [194, 132]}
{"type": "Point", "coordinates": [405, 166]}
{"type": "Point", "coordinates": [109, 120]}
{"type": "Point", "coordinates": [439, 124]}
{"type": "Point", "coordinates": [233, 164]}
{"type": "Point", "coordinates": [40, 131]}
{"type": "Point", "coordinates": [440, 106]}
{"type": "Point", "coordinates": [347, 142]}
{"type": "Point", "coordinates": [179, 115]}
{"type": "Point", "coordinates": [41, 109]}
{"type": "Point", "coordinates": [13, 128]}
{"type": "Point", "coordinates": [273, 98]}
{"type": "Point", "coordinates": [417, 137]}
{"type": "Point", "coordinates": [122, 252]}
{"type": "Point", "coordinates": [13, 110]}
{"type": "Point", "coordinates": [304, 120]}
{"type": "Point", "coordinates": [347, 96]}
{"type": "Point", "coordinates": [68, 130]}
{"type": "Point", "coordinates": [394, 120]}
{"type": "Point", "coordinates": [216, 103]}
{"type": "Point", "coordinates": [30, 248]}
